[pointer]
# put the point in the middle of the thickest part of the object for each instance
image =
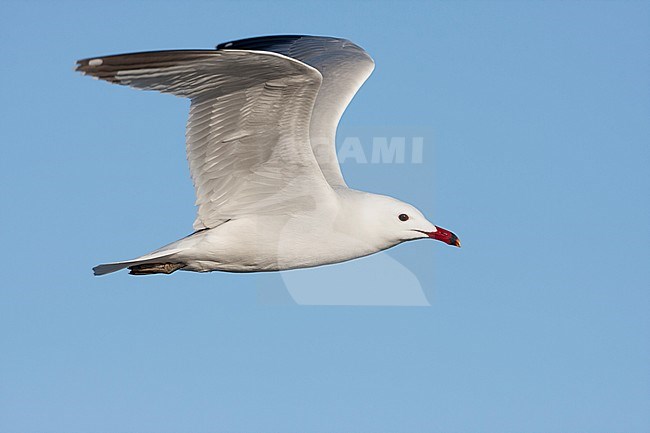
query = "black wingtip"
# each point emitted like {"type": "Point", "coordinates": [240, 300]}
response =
{"type": "Point", "coordinates": [260, 42]}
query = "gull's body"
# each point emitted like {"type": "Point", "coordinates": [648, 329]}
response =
{"type": "Point", "coordinates": [260, 144]}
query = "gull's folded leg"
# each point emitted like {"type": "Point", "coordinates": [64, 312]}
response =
{"type": "Point", "coordinates": [155, 268]}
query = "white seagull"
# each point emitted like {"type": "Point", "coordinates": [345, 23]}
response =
{"type": "Point", "coordinates": [260, 145]}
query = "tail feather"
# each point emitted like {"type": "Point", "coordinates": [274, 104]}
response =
{"type": "Point", "coordinates": [107, 268]}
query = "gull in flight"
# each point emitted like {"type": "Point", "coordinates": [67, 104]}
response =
{"type": "Point", "coordinates": [260, 145]}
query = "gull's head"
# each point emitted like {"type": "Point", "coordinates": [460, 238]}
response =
{"type": "Point", "coordinates": [399, 222]}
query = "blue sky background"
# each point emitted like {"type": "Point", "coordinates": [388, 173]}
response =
{"type": "Point", "coordinates": [538, 160]}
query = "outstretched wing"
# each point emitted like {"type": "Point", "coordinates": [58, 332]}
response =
{"type": "Point", "coordinates": [344, 67]}
{"type": "Point", "coordinates": [248, 130]}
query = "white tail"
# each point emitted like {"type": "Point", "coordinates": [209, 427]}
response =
{"type": "Point", "coordinates": [107, 268]}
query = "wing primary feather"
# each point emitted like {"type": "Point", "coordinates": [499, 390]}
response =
{"type": "Point", "coordinates": [247, 136]}
{"type": "Point", "coordinates": [344, 67]}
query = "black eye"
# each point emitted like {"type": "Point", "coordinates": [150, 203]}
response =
{"type": "Point", "coordinates": [403, 217]}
